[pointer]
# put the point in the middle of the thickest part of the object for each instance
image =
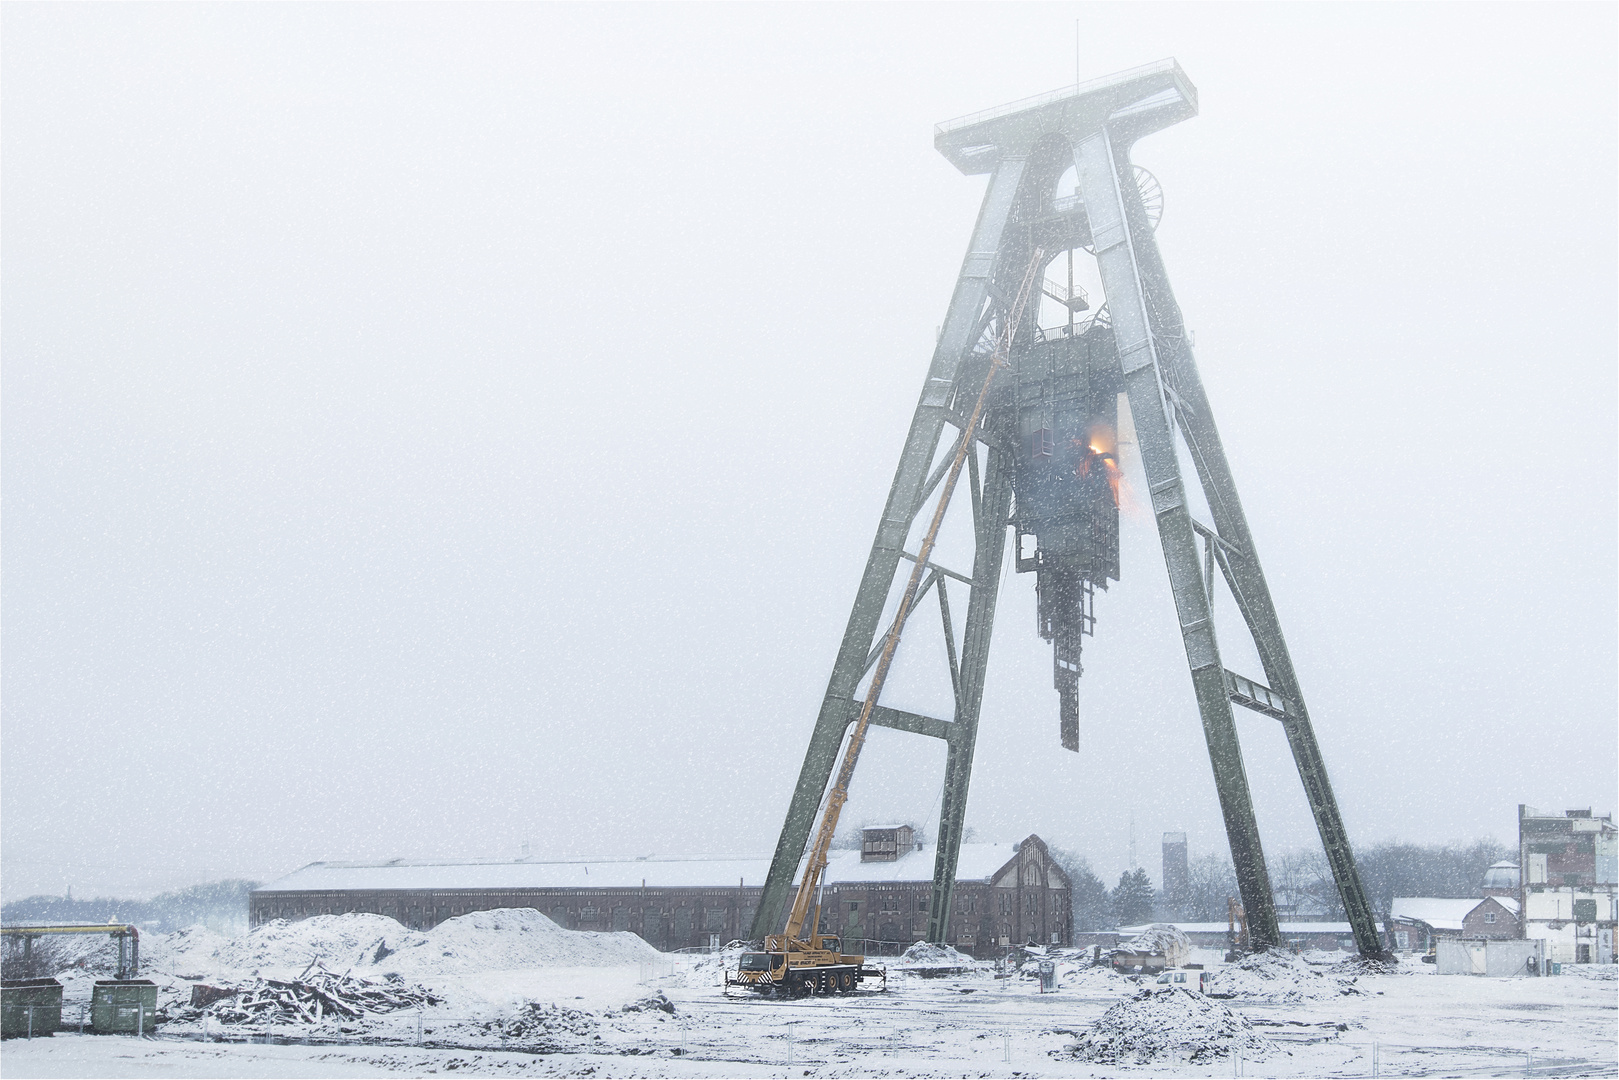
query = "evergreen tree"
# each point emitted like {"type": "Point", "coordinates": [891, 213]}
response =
{"type": "Point", "coordinates": [1089, 905]}
{"type": "Point", "coordinates": [1133, 898]}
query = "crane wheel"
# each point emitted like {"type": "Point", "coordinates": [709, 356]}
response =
{"type": "Point", "coordinates": [846, 981]}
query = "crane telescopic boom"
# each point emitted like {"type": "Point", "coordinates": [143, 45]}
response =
{"type": "Point", "coordinates": [839, 794]}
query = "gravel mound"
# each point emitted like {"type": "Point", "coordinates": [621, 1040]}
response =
{"type": "Point", "coordinates": [543, 1028]}
{"type": "Point", "coordinates": [928, 954]}
{"type": "Point", "coordinates": [513, 938]}
{"type": "Point", "coordinates": [1170, 1024]}
{"type": "Point", "coordinates": [1280, 977]}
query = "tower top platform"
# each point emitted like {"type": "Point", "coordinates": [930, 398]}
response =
{"type": "Point", "coordinates": [1140, 101]}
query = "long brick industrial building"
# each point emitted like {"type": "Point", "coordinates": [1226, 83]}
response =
{"type": "Point", "coordinates": [877, 897]}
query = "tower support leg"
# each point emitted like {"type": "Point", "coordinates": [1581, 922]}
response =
{"type": "Point", "coordinates": [989, 529]}
{"type": "Point", "coordinates": [1239, 561]}
{"type": "Point", "coordinates": [1112, 240]}
{"type": "Point", "coordinates": [961, 328]}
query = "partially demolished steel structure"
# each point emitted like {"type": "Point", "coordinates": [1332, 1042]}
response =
{"type": "Point", "coordinates": [1049, 470]}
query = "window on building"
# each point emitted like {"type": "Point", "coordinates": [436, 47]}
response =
{"type": "Point", "coordinates": [1489, 916]}
{"type": "Point", "coordinates": [1402, 939]}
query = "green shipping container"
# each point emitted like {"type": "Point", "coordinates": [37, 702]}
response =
{"type": "Point", "coordinates": [123, 1006]}
{"type": "Point", "coordinates": [30, 1006]}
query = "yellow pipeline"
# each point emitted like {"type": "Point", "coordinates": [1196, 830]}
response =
{"type": "Point", "coordinates": [76, 928]}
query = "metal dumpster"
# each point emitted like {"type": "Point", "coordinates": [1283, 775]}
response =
{"type": "Point", "coordinates": [123, 1006]}
{"type": "Point", "coordinates": [30, 1007]}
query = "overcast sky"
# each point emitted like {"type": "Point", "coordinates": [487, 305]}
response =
{"type": "Point", "coordinates": [433, 429]}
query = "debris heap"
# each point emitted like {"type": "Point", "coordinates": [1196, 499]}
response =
{"type": "Point", "coordinates": [1282, 977]}
{"type": "Point", "coordinates": [313, 997]}
{"type": "Point", "coordinates": [931, 954]}
{"type": "Point", "coordinates": [1170, 1024]}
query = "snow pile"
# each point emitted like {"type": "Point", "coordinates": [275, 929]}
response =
{"type": "Point", "coordinates": [700, 971]}
{"type": "Point", "coordinates": [926, 954]}
{"type": "Point", "coordinates": [1599, 972]}
{"type": "Point", "coordinates": [511, 939]}
{"type": "Point", "coordinates": [1280, 977]}
{"type": "Point", "coordinates": [1095, 979]}
{"type": "Point", "coordinates": [188, 953]}
{"type": "Point", "coordinates": [1163, 940]}
{"type": "Point", "coordinates": [1170, 1024]}
{"type": "Point", "coordinates": [339, 941]}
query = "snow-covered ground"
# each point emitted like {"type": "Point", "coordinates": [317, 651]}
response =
{"type": "Point", "coordinates": [516, 994]}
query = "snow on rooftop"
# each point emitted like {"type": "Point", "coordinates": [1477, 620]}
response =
{"type": "Point", "coordinates": [1441, 913]}
{"type": "Point", "coordinates": [977, 862]}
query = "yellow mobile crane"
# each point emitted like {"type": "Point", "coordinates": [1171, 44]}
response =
{"type": "Point", "coordinates": [795, 962]}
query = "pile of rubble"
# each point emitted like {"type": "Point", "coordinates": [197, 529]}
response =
{"type": "Point", "coordinates": [927, 954]}
{"type": "Point", "coordinates": [1276, 976]}
{"type": "Point", "coordinates": [1170, 1024]}
{"type": "Point", "coordinates": [315, 996]}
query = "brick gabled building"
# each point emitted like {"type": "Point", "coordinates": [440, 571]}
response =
{"type": "Point", "coordinates": [1006, 894]}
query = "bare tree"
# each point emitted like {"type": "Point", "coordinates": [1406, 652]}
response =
{"type": "Point", "coordinates": [1210, 880]}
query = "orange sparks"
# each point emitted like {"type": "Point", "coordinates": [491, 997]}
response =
{"type": "Point", "coordinates": [1104, 459]}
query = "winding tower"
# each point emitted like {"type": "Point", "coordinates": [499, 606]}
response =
{"type": "Point", "coordinates": [1045, 465]}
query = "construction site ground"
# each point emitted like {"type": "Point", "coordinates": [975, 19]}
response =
{"type": "Point", "coordinates": [670, 1016]}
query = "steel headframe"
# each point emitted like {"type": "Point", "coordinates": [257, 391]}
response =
{"type": "Point", "coordinates": [1025, 147]}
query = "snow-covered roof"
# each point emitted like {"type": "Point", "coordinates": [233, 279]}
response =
{"type": "Point", "coordinates": [1441, 913]}
{"type": "Point", "coordinates": [1508, 902]}
{"type": "Point", "coordinates": [411, 874]}
{"type": "Point", "coordinates": [978, 862]}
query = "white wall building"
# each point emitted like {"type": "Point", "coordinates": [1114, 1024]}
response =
{"type": "Point", "coordinates": [1570, 883]}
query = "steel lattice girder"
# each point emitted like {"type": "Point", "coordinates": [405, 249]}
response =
{"type": "Point", "coordinates": [1096, 123]}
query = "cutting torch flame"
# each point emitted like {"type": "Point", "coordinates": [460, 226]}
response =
{"type": "Point", "coordinates": [1100, 455]}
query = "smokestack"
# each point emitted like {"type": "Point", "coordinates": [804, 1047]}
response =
{"type": "Point", "coordinates": [1175, 869]}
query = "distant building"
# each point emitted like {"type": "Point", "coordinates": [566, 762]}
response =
{"type": "Point", "coordinates": [877, 897]}
{"type": "Point", "coordinates": [886, 843]}
{"type": "Point", "coordinates": [1502, 879]}
{"type": "Point", "coordinates": [1419, 921]}
{"type": "Point", "coordinates": [1570, 883]}
{"type": "Point", "coordinates": [1176, 875]}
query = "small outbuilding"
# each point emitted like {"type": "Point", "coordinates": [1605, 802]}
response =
{"type": "Point", "coordinates": [1420, 921]}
